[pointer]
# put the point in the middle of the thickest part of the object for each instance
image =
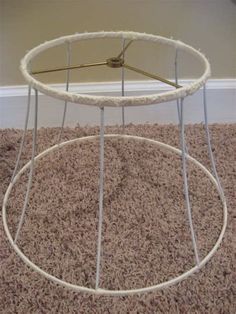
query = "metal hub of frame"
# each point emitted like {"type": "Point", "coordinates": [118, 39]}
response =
{"type": "Point", "coordinates": [115, 62]}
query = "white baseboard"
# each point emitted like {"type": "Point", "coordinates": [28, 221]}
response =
{"type": "Point", "coordinates": [221, 105]}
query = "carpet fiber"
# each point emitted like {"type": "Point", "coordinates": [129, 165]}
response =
{"type": "Point", "coordinates": [146, 236]}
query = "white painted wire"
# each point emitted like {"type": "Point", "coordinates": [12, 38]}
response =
{"type": "Point", "coordinates": [101, 184]}
{"type": "Point", "coordinates": [213, 165]}
{"type": "Point", "coordinates": [118, 101]}
{"type": "Point", "coordinates": [31, 168]}
{"type": "Point", "coordinates": [67, 89]}
{"type": "Point", "coordinates": [186, 188]}
{"type": "Point", "coordinates": [24, 134]}
{"type": "Point", "coordinates": [123, 85]}
{"type": "Point", "coordinates": [176, 80]}
{"type": "Point", "coordinates": [115, 101]}
{"type": "Point", "coordinates": [100, 291]}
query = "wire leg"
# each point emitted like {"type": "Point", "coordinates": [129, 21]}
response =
{"type": "Point", "coordinates": [31, 167]}
{"type": "Point", "coordinates": [186, 190]}
{"type": "Point", "coordinates": [67, 88]}
{"type": "Point", "coordinates": [24, 133]}
{"type": "Point", "coordinates": [208, 138]}
{"type": "Point", "coordinates": [176, 81]}
{"type": "Point", "coordinates": [123, 86]}
{"type": "Point", "coordinates": [178, 101]}
{"type": "Point", "coordinates": [101, 184]}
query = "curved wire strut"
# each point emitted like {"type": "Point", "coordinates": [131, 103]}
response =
{"type": "Point", "coordinates": [176, 80]}
{"type": "Point", "coordinates": [123, 83]}
{"type": "Point", "coordinates": [210, 153]}
{"type": "Point", "coordinates": [177, 100]}
{"type": "Point", "coordinates": [31, 168]}
{"type": "Point", "coordinates": [186, 189]}
{"type": "Point", "coordinates": [101, 184]}
{"type": "Point", "coordinates": [67, 89]}
{"type": "Point", "coordinates": [24, 134]}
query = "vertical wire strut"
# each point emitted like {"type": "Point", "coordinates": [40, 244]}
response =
{"type": "Point", "coordinates": [176, 81]}
{"type": "Point", "coordinates": [31, 167]}
{"type": "Point", "coordinates": [210, 153]}
{"type": "Point", "coordinates": [177, 101]}
{"type": "Point", "coordinates": [101, 184]}
{"type": "Point", "coordinates": [123, 85]}
{"type": "Point", "coordinates": [67, 88]}
{"type": "Point", "coordinates": [24, 134]}
{"type": "Point", "coordinates": [186, 189]}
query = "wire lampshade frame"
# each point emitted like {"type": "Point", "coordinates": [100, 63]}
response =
{"type": "Point", "coordinates": [178, 94]}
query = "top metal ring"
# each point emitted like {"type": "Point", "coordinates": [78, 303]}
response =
{"type": "Point", "coordinates": [107, 101]}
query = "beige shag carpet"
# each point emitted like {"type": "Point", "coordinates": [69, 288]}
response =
{"type": "Point", "coordinates": [146, 237]}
